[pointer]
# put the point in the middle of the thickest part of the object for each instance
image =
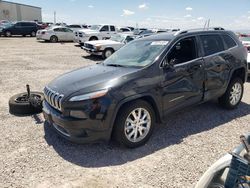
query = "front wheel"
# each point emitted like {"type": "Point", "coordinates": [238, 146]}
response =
{"type": "Point", "coordinates": [7, 34]}
{"type": "Point", "coordinates": [233, 95]}
{"type": "Point", "coordinates": [106, 53]}
{"type": "Point", "coordinates": [134, 124]}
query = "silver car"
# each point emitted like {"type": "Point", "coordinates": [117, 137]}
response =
{"type": "Point", "coordinates": [55, 34]}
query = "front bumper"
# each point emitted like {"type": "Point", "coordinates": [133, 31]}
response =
{"type": "Point", "coordinates": [92, 51]}
{"type": "Point", "coordinates": [73, 129]}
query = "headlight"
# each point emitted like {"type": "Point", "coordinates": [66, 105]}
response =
{"type": "Point", "coordinates": [97, 47]}
{"type": "Point", "coordinates": [87, 96]}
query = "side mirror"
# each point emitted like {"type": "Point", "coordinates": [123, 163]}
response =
{"type": "Point", "coordinates": [168, 64]}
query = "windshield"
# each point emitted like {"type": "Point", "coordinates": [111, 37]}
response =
{"type": "Point", "coordinates": [137, 54]}
{"type": "Point", "coordinates": [95, 27]}
{"type": "Point", "coordinates": [117, 38]}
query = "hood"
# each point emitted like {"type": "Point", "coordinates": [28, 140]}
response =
{"type": "Point", "coordinates": [88, 79]}
{"type": "Point", "coordinates": [103, 42]}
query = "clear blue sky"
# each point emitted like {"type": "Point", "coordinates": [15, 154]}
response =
{"type": "Point", "coordinates": [232, 14]}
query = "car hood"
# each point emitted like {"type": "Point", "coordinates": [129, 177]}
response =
{"type": "Point", "coordinates": [103, 42]}
{"type": "Point", "coordinates": [89, 79]}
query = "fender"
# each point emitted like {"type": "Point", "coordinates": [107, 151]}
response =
{"type": "Point", "coordinates": [157, 106]}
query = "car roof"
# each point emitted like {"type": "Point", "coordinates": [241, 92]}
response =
{"type": "Point", "coordinates": [171, 35]}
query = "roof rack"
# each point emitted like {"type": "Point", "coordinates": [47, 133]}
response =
{"type": "Point", "coordinates": [199, 29]}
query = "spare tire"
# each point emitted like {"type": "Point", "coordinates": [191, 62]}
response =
{"type": "Point", "coordinates": [20, 104]}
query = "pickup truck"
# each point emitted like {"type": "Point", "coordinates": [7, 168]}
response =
{"type": "Point", "coordinates": [95, 32]}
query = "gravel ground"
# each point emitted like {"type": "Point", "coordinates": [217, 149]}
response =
{"type": "Point", "coordinates": [33, 155]}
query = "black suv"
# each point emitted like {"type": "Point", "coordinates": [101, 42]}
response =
{"type": "Point", "coordinates": [143, 82]}
{"type": "Point", "coordinates": [21, 28]}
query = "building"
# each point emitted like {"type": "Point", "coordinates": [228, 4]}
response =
{"type": "Point", "coordinates": [18, 12]}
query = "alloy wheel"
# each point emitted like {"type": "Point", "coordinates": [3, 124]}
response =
{"type": "Point", "coordinates": [137, 125]}
{"type": "Point", "coordinates": [235, 94]}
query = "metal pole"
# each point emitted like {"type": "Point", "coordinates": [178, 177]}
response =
{"type": "Point", "coordinates": [54, 17]}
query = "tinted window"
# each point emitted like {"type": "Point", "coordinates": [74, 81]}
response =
{"type": "Point", "coordinates": [229, 41]}
{"type": "Point", "coordinates": [124, 29]}
{"type": "Point", "coordinates": [212, 44]}
{"type": "Point", "coordinates": [75, 26]}
{"type": "Point", "coordinates": [183, 51]}
{"type": "Point", "coordinates": [26, 24]}
{"type": "Point", "coordinates": [112, 28]}
{"type": "Point", "coordinates": [105, 28]}
{"type": "Point", "coordinates": [58, 30]}
{"type": "Point", "coordinates": [18, 24]}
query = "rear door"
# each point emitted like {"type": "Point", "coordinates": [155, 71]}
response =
{"type": "Point", "coordinates": [183, 79]}
{"type": "Point", "coordinates": [69, 34]}
{"type": "Point", "coordinates": [18, 29]}
{"type": "Point", "coordinates": [216, 65]}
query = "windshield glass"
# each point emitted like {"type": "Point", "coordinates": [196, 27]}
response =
{"type": "Point", "coordinates": [117, 38]}
{"type": "Point", "coordinates": [95, 27]}
{"type": "Point", "coordinates": [137, 53]}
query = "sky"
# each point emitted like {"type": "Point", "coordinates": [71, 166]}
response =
{"type": "Point", "coordinates": [183, 14]}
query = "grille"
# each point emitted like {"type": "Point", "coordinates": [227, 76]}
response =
{"type": "Point", "coordinates": [53, 98]}
{"type": "Point", "coordinates": [90, 46]}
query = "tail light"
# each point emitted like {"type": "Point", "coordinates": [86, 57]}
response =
{"type": "Point", "coordinates": [43, 32]}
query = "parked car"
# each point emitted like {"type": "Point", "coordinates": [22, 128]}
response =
{"type": "Point", "coordinates": [143, 82]}
{"type": "Point", "coordinates": [224, 172]}
{"type": "Point", "coordinates": [246, 42]}
{"type": "Point", "coordinates": [55, 34]}
{"type": "Point", "coordinates": [3, 22]}
{"type": "Point", "coordinates": [95, 32]}
{"type": "Point", "coordinates": [124, 29]}
{"type": "Point", "coordinates": [106, 48]}
{"type": "Point", "coordinates": [143, 33]}
{"type": "Point", "coordinates": [77, 27]}
{"type": "Point", "coordinates": [20, 28]}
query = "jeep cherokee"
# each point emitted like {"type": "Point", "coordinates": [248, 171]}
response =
{"type": "Point", "coordinates": [143, 82]}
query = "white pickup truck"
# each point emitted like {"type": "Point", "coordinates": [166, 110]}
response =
{"type": "Point", "coordinates": [95, 32]}
{"type": "Point", "coordinates": [106, 48]}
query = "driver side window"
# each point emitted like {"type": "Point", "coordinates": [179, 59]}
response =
{"type": "Point", "coordinates": [183, 51]}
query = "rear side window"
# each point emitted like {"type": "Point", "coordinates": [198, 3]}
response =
{"type": "Point", "coordinates": [212, 44]}
{"type": "Point", "coordinates": [229, 41]}
{"type": "Point", "coordinates": [75, 26]}
{"type": "Point", "coordinates": [112, 28]}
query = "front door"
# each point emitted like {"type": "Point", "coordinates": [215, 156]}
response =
{"type": "Point", "coordinates": [183, 77]}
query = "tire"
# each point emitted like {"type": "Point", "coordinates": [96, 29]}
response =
{"type": "Point", "coordinates": [122, 136]}
{"type": "Point", "coordinates": [107, 52]}
{"type": "Point", "coordinates": [234, 90]}
{"type": "Point", "coordinates": [7, 34]}
{"type": "Point", "coordinates": [25, 107]}
{"type": "Point", "coordinates": [93, 38]}
{"type": "Point", "coordinates": [53, 39]}
{"type": "Point", "coordinates": [33, 34]}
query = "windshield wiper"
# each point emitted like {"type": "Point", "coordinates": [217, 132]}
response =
{"type": "Point", "coordinates": [115, 65]}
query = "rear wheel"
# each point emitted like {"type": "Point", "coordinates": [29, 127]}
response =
{"type": "Point", "coordinates": [33, 34]}
{"type": "Point", "coordinates": [53, 39]}
{"type": "Point", "coordinates": [7, 34]}
{"type": "Point", "coordinates": [134, 124]}
{"type": "Point", "coordinates": [233, 95]}
{"type": "Point", "coordinates": [107, 52]}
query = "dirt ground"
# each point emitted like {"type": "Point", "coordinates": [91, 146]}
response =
{"type": "Point", "coordinates": [33, 155]}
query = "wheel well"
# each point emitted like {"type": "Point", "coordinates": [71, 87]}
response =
{"type": "Point", "coordinates": [93, 37]}
{"type": "Point", "coordinates": [109, 48]}
{"type": "Point", "coordinates": [239, 73]}
{"type": "Point", "coordinates": [149, 100]}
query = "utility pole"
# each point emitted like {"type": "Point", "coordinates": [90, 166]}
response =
{"type": "Point", "coordinates": [54, 17]}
